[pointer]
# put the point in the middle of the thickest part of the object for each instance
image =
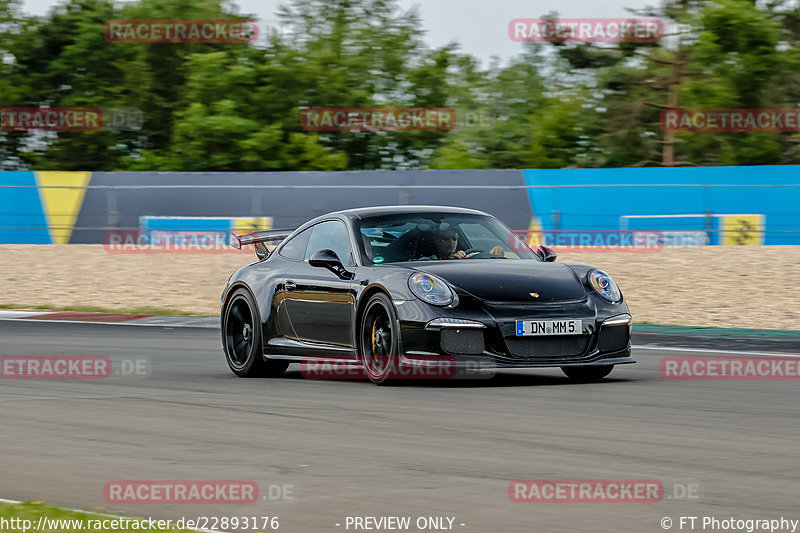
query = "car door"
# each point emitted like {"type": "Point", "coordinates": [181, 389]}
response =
{"type": "Point", "coordinates": [320, 305]}
{"type": "Point", "coordinates": [292, 253]}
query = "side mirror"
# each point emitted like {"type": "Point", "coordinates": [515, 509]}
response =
{"type": "Point", "coordinates": [546, 254]}
{"type": "Point", "coordinates": [328, 259]}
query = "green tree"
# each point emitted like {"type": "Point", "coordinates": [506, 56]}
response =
{"type": "Point", "coordinates": [231, 107]}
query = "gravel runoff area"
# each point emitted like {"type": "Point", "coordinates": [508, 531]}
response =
{"type": "Point", "coordinates": [744, 286]}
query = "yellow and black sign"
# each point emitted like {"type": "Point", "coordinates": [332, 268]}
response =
{"type": "Point", "coordinates": [243, 226]}
{"type": "Point", "coordinates": [62, 195]}
{"type": "Point", "coordinates": [739, 230]}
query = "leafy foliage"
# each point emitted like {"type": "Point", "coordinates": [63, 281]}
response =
{"type": "Point", "coordinates": [236, 107]}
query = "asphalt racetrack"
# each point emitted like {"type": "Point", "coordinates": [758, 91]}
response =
{"type": "Point", "coordinates": [349, 448]}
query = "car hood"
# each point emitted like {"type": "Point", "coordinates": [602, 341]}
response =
{"type": "Point", "coordinates": [509, 280]}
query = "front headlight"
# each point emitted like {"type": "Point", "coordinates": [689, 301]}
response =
{"type": "Point", "coordinates": [430, 289]}
{"type": "Point", "coordinates": [604, 285]}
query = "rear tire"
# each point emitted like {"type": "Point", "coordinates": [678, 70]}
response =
{"type": "Point", "coordinates": [241, 339]}
{"type": "Point", "coordinates": [379, 339]}
{"type": "Point", "coordinates": [587, 373]}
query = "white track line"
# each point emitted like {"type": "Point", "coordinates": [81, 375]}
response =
{"type": "Point", "coordinates": [123, 323]}
{"type": "Point", "coordinates": [710, 350]}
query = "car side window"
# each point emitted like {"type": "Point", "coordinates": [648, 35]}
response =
{"type": "Point", "coordinates": [331, 235]}
{"type": "Point", "coordinates": [295, 249]}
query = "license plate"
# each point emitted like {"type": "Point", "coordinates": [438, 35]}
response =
{"type": "Point", "coordinates": [527, 328]}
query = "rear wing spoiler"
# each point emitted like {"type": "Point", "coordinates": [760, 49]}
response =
{"type": "Point", "coordinates": [258, 239]}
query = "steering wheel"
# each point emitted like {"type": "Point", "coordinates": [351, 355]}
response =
{"type": "Point", "coordinates": [477, 253]}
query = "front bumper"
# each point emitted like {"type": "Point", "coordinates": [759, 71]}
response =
{"type": "Point", "coordinates": [485, 335]}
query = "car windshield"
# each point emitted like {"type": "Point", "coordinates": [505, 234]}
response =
{"type": "Point", "coordinates": [432, 236]}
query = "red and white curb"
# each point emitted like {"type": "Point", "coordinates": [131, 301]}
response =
{"type": "Point", "coordinates": [71, 317]}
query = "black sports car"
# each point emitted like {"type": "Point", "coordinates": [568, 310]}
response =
{"type": "Point", "coordinates": [397, 287]}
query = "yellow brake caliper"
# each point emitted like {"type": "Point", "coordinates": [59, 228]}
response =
{"type": "Point", "coordinates": [374, 338]}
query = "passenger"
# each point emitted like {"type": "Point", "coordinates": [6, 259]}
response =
{"type": "Point", "coordinates": [367, 246]}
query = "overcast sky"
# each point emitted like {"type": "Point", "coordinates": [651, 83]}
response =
{"type": "Point", "coordinates": [480, 26]}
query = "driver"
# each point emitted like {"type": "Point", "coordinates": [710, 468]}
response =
{"type": "Point", "coordinates": [446, 241]}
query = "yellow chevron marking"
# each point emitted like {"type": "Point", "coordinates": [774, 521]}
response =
{"type": "Point", "coordinates": [243, 226]}
{"type": "Point", "coordinates": [61, 205]}
{"type": "Point", "coordinates": [534, 233]}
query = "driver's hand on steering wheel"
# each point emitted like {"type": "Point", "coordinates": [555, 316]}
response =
{"type": "Point", "coordinates": [498, 250]}
{"type": "Point", "coordinates": [461, 254]}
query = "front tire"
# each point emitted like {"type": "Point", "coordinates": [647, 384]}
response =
{"type": "Point", "coordinates": [587, 373]}
{"type": "Point", "coordinates": [241, 339]}
{"type": "Point", "coordinates": [379, 339]}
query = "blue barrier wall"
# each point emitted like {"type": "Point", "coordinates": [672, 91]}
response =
{"type": "Point", "coordinates": [566, 199]}
{"type": "Point", "coordinates": [718, 190]}
{"type": "Point", "coordinates": [22, 218]}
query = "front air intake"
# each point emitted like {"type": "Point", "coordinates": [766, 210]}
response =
{"type": "Point", "coordinates": [467, 341]}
